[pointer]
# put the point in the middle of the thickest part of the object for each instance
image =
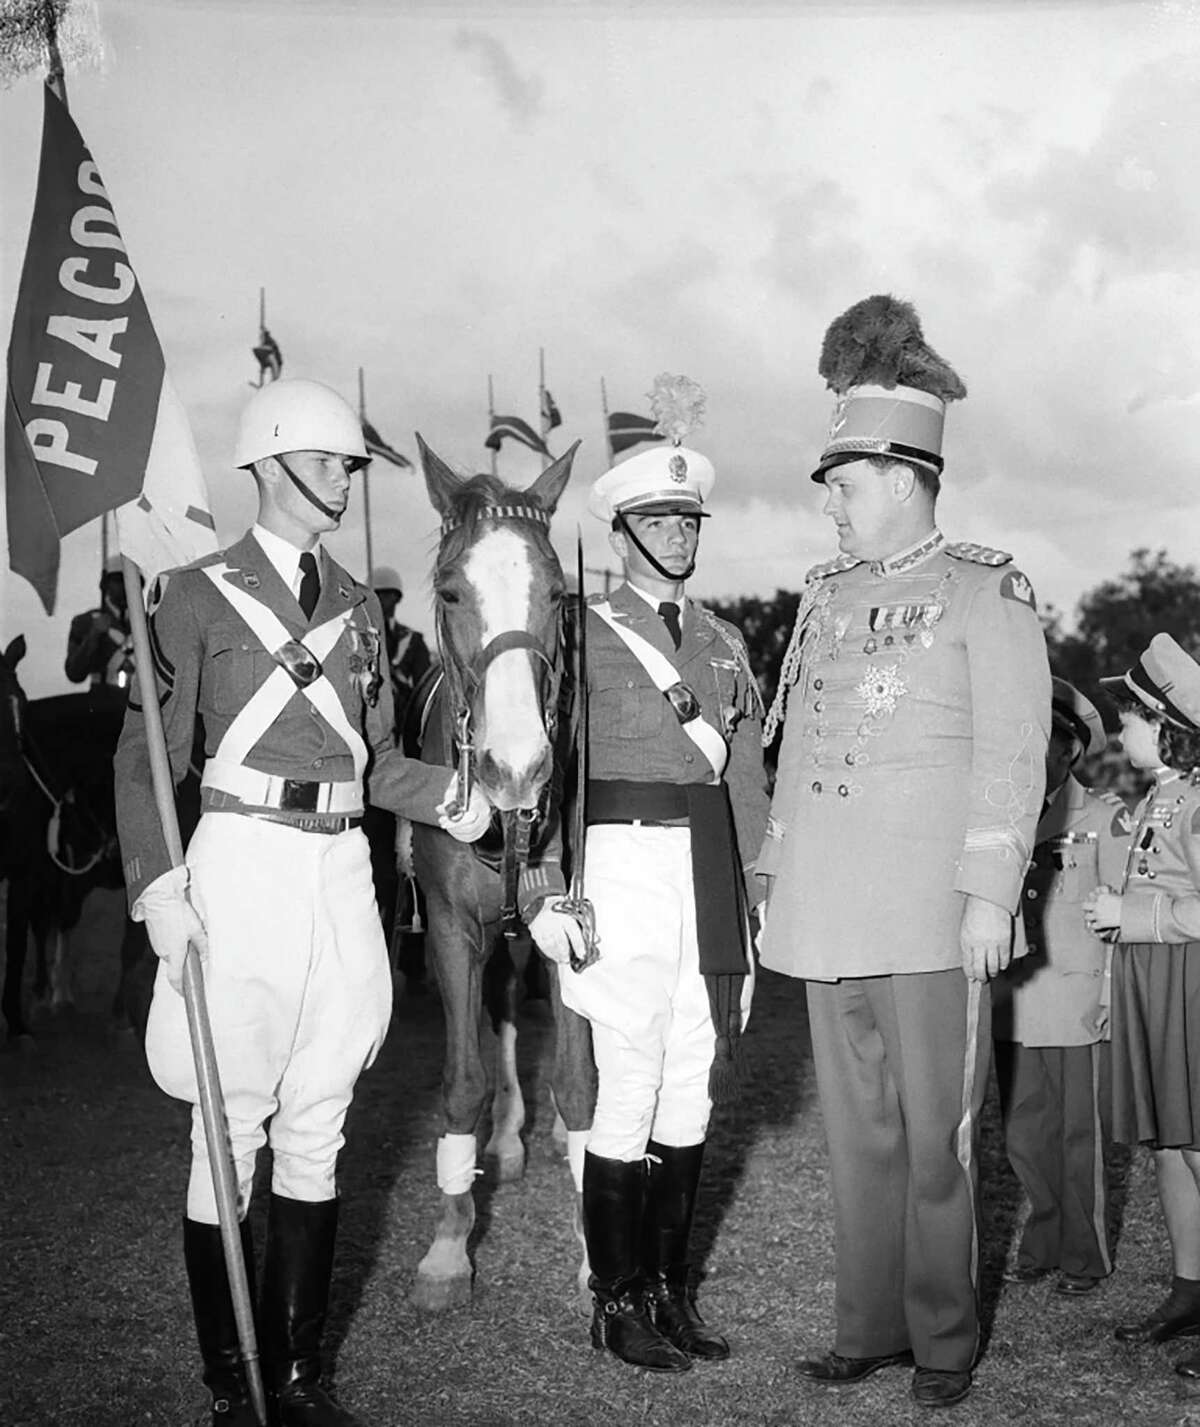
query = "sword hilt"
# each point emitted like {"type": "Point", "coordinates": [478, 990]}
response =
{"type": "Point", "coordinates": [584, 915]}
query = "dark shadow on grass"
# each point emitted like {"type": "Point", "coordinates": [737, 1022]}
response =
{"type": "Point", "coordinates": [776, 1089]}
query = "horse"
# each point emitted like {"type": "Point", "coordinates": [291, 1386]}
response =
{"type": "Point", "coordinates": [499, 597]}
{"type": "Point", "coordinates": [58, 841]}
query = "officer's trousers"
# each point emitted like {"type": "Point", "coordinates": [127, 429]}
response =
{"type": "Point", "coordinates": [1053, 1100]}
{"type": "Point", "coordinates": [901, 1066]}
{"type": "Point", "coordinates": [299, 994]}
{"type": "Point", "coordinates": [652, 1031]}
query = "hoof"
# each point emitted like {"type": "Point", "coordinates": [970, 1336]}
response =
{"type": "Point", "coordinates": [436, 1295]}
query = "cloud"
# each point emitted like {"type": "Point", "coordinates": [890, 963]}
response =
{"type": "Point", "coordinates": [809, 249]}
{"type": "Point", "coordinates": [1131, 197]}
{"type": "Point", "coordinates": [521, 95]}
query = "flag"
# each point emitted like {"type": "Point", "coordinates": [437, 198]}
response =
{"type": "Point", "coordinates": [519, 430]}
{"type": "Point", "coordinates": [626, 430]}
{"type": "Point", "coordinates": [551, 416]}
{"type": "Point", "coordinates": [377, 446]}
{"type": "Point", "coordinates": [270, 358]}
{"type": "Point", "coordinates": [92, 422]}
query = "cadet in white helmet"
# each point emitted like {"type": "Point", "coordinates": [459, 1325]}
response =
{"type": "Point", "coordinates": [277, 649]}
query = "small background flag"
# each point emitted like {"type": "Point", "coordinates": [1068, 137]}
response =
{"type": "Point", "coordinates": [517, 430]}
{"type": "Point", "coordinates": [551, 415]}
{"type": "Point", "coordinates": [92, 422]}
{"type": "Point", "coordinates": [377, 446]}
{"type": "Point", "coordinates": [626, 430]}
{"type": "Point", "coordinates": [270, 358]}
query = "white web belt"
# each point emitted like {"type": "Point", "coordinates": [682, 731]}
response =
{"type": "Point", "coordinates": [226, 769]}
{"type": "Point", "coordinates": [664, 676]}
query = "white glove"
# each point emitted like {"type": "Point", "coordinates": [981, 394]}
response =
{"type": "Point", "coordinates": [472, 822]}
{"type": "Point", "coordinates": [171, 922]}
{"type": "Point", "coordinates": [557, 934]}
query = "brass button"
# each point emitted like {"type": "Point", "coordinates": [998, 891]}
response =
{"type": "Point", "coordinates": [851, 759]}
{"type": "Point", "coordinates": [818, 683]}
{"type": "Point", "coordinates": [818, 705]}
{"type": "Point", "coordinates": [318, 762]}
{"type": "Point", "coordinates": [816, 787]}
{"type": "Point", "coordinates": [1032, 894]}
{"type": "Point", "coordinates": [843, 790]}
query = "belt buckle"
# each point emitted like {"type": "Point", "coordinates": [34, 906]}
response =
{"type": "Point", "coordinates": [298, 797]}
{"type": "Point", "coordinates": [301, 663]}
{"type": "Point", "coordinates": [684, 701]}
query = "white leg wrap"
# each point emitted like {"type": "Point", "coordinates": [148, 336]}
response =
{"type": "Point", "coordinates": [456, 1163]}
{"type": "Point", "coordinates": [576, 1144]}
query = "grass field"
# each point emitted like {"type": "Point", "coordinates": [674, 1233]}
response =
{"type": "Point", "coordinates": [95, 1327]}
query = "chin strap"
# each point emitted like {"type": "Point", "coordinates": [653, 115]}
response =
{"type": "Point", "coordinates": [627, 530]}
{"type": "Point", "coordinates": [334, 515]}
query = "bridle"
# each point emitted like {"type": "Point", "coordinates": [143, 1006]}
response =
{"type": "Point", "coordinates": [463, 680]}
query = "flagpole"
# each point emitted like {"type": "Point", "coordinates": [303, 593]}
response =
{"type": "Point", "coordinates": [491, 413]}
{"type": "Point", "coordinates": [604, 409]}
{"type": "Point", "coordinates": [543, 415]}
{"type": "Point", "coordinates": [366, 477]}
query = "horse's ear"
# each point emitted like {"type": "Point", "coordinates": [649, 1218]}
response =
{"type": "Point", "coordinates": [15, 652]}
{"type": "Point", "coordinates": [550, 485]}
{"type": "Point", "coordinates": [440, 481]}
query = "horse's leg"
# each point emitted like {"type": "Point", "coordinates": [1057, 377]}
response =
{"type": "Point", "coordinates": [574, 1092]}
{"type": "Point", "coordinates": [60, 992]}
{"type": "Point", "coordinates": [16, 949]}
{"type": "Point", "coordinates": [444, 1275]}
{"type": "Point", "coordinates": [505, 1148]}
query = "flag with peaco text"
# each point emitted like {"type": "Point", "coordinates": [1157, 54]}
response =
{"type": "Point", "coordinates": [92, 422]}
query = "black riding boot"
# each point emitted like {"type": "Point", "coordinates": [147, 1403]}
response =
{"type": "Point", "coordinates": [216, 1326]}
{"type": "Point", "coordinates": [613, 1192]}
{"type": "Point", "coordinates": [671, 1185]}
{"type": "Point", "coordinates": [296, 1274]}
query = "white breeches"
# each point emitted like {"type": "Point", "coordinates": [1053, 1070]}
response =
{"type": "Point", "coordinates": [299, 995]}
{"type": "Point", "coordinates": [652, 1030]}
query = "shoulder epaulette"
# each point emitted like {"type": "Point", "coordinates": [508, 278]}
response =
{"type": "Point", "coordinates": [978, 554]}
{"type": "Point", "coordinates": [832, 567]}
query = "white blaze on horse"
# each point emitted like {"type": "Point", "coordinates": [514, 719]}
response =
{"type": "Point", "coordinates": [494, 714]}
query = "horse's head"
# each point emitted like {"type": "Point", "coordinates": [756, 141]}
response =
{"type": "Point", "coordinates": [498, 588]}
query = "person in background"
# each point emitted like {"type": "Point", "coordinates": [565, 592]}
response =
{"type": "Point", "coordinates": [1050, 1017]}
{"type": "Point", "coordinates": [1155, 918]}
{"type": "Point", "coordinates": [99, 644]}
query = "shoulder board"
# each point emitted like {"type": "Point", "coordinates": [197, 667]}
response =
{"type": "Point", "coordinates": [730, 633]}
{"type": "Point", "coordinates": [833, 567]}
{"type": "Point", "coordinates": [1105, 795]}
{"type": "Point", "coordinates": [977, 554]}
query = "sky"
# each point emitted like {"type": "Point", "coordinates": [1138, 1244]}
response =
{"type": "Point", "coordinates": [434, 192]}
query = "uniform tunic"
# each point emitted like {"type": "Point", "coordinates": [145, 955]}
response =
{"type": "Point", "coordinates": [297, 979]}
{"type": "Point", "coordinates": [1156, 973]}
{"type": "Point", "coordinates": [1051, 1023]}
{"type": "Point", "coordinates": [645, 997]}
{"type": "Point", "coordinates": [911, 773]}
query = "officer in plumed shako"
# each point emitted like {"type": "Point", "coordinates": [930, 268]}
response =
{"type": "Point", "coordinates": [910, 778]}
{"type": "Point", "coordinates": [278, 650]}
{"type": "Point", "coordinates": [1051, 1016]}
{"type": "Point", "coordinates": [676, 807]}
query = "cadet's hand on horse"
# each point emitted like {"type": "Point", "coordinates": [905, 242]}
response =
{"type": "Point", "coordinates": [171, 922]}
{"type": "Point", "coordinates": [469, 824]}
{"type": "Point", "coordinates": [985, 939]}
{"type": "Point", "coordinates": [557, 934]}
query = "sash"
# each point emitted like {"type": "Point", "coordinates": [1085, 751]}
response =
{"type": "Point", "coordinates": [665, 676]}
{"type": "Point", "coordinates": [277, 691]}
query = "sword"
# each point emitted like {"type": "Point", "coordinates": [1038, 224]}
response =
{"type": "Point", "coordinates": [466, 751]}
{"type": "Point", "coordinates": [575, 904]}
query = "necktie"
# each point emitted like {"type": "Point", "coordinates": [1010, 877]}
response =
{"type": "Point", "coordinates": [670, 617]}
{"type": "Point", "coordinates": [310, 585]}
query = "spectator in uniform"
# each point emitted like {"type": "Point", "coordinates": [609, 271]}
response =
{"type": "Point", "coordinates": [99, 644]}
{"type": "Point", "coordinates": [1051, 1017]}
{"type": "Point", "coordinates": [277, 650]}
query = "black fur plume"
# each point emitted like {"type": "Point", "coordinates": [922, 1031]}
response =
{"type": "Point", "coordinates": [878, 342]}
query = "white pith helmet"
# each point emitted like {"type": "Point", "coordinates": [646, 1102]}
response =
{"type": "Point", "coordinates": [293, 414]}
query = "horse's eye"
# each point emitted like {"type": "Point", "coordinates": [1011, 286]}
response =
{"type": "Point", "coordinates": [447, 596]}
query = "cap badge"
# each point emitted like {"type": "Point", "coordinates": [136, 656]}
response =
{"type": "Point", "coordinates": [839, 417]}
{"type": "Point", "coordinates": [677, 466]}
